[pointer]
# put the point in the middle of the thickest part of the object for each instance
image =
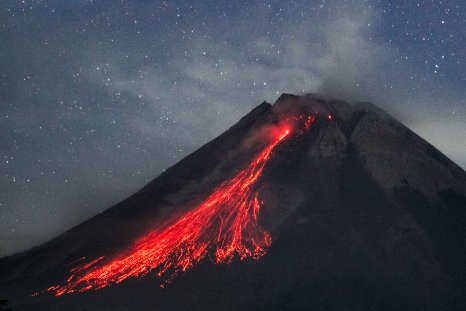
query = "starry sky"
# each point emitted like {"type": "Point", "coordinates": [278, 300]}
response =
{"type": "Point", "coordinates": [99, 97]}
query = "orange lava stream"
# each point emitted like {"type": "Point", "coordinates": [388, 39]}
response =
{"type": "Point", "coordinates": [223, 225]}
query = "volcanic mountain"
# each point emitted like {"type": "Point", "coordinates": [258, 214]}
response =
{"type": "Point", "coordinates": [309, 203]}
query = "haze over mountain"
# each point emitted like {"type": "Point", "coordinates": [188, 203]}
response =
{"type": "Point", "coordinates": [97, 98]}
{"type": "Point", "coordinates": [361, 214]}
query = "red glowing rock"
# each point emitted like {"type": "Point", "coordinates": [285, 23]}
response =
{"type": "Point", "coordinates": [224, 225]}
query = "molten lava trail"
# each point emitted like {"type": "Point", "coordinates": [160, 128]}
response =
{"type": "Point", "coordinates": [223, 225]}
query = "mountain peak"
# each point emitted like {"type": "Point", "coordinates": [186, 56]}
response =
{"type": "Point", "coordinates": [313, 203]}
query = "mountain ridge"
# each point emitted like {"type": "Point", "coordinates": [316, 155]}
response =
{"type": "Point", "coordinates": [358, 199]}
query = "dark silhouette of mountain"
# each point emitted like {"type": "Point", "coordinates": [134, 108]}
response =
{"type": "Point", "coordinates": [363, 214]}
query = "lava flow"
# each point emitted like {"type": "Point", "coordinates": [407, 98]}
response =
{"type": "Point", "coordinates": [222, 226]}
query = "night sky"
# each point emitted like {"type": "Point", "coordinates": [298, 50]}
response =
{"type": "Point", "coordinates": [99, 97]}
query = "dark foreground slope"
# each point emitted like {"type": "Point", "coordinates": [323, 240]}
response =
{"type": "Point", "coordinates": [363, 214]}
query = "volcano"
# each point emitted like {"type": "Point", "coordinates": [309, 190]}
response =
{"type": "Point", "coordinates": [306, 204]}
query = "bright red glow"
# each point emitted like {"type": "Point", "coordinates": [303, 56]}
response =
{"type": "Point", "coordinates": [308, 122]}
{"type": "Point", "coordinates": [330, 117]}
{"type": "Point", "coordinates": [223, 226]}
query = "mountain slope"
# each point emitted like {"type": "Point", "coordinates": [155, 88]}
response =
{"type": "Point", "coordinates": [362, 213]}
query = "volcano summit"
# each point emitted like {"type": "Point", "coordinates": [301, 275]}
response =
{"type": "Point", "coordinates": [308, 203]}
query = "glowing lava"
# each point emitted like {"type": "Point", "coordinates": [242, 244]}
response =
{"type": "Point", "coordinates": [224, 225]}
